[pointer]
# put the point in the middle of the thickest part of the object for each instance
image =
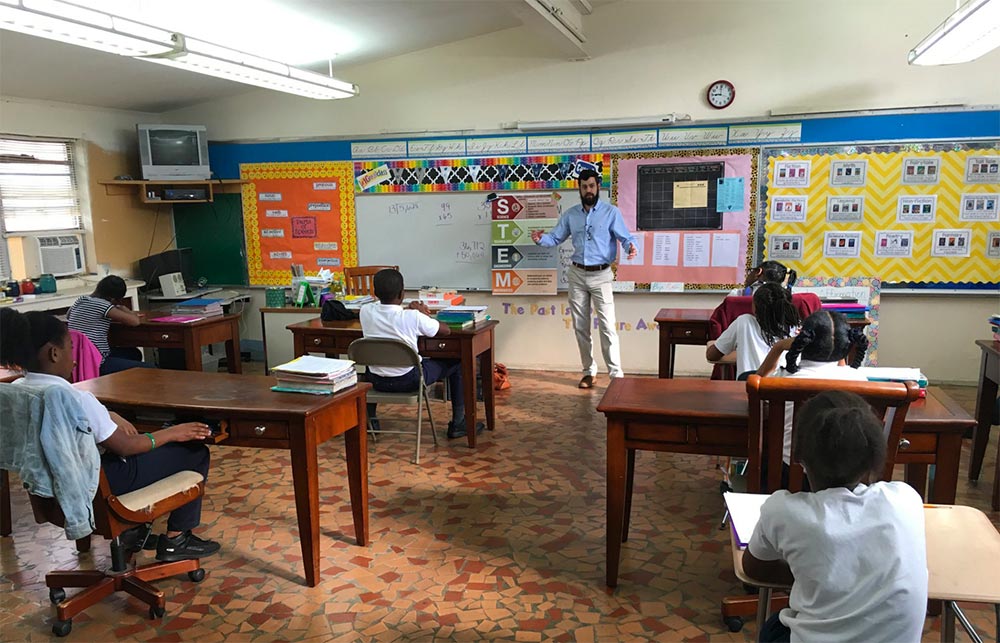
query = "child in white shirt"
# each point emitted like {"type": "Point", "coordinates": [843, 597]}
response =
{"type": "Point", "coordinates": [854, 555]}
{"type": "Point", "coordinates": [773, 317]}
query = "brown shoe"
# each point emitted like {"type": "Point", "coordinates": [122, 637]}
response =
{"type": "Point", "coordinates": [587, 382]}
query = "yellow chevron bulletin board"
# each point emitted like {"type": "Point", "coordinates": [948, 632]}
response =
{"type": "Point", "coordinates": [882, 188]}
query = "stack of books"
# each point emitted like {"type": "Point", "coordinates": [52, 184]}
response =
{"type": "Point", "coordinates": [198, 308]}
{"type": "Point", "coordinates": [995, 327]}
{"type": "Point", "coordinates": [851, 311]}
{"type": "Point", "coordinates": [437, 299]}
{"type": "Point", "coordinates": [459, 317]}
{"type": "Point", "coordinates": [355, 302]}
{"type": "Point", "coordinates": [315, 375]}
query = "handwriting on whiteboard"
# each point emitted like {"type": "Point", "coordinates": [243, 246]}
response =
{"type": "Point", "coordinates": [470, 251]}
{"type": "Point", "coordinates": [403, 207]}
{"type": "Point", "coordinates": [620, 140]}
{"type": "Point", "coordinates": [562, 143]}
{"type": "Point", "coordinates": [503, 145]}
{"type": "Point", "coordinates": [763, 133]}
{"type": "Point", "coordinates": [448, 147]}
{"type": "Point", "coordinates": [444, 215]}
{"type": "Point", "coordinates": [692, 136]}
{"type": "Point", "coordinates": [378, 149]}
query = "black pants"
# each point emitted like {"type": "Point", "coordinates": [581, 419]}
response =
{"type": "Point", "coordinates": [434, 370]}
{"type": "Point", "coordinates": [774, 631]}
{"type": "Point", "coordinates": [133, 472]}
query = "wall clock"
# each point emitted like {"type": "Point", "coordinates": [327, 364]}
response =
{"type": "Point", "coordinates": [721, 94]}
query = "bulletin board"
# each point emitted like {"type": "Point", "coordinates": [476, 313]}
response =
{"type": "Point", "coordinates": [919, 213]}
{"type": "Point", "coordinates": [698, 258]}
{"type": "Point", "coordinates": [298, 213]}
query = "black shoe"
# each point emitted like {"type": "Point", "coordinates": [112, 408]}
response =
{"type": "Point", "coordinates": [138, 538]}
{"type": "Point", "coordinates": [458, 431]}
{"type": "Point", "coordinates": [185, 546]}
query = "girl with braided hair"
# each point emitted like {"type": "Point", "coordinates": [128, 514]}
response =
{"type": "Point", "coordinates": [773, 318]}
{"type": "Point", "coordinates": [767, 272]}
{"type": "Point", "coordinates": [818, 352]}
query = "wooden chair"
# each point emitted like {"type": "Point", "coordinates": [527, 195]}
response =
{"type": "Point", "coordinates": [358, 279]}
{"type": "Point", "coordinates": [370, 351]}
{"type": "Point", "coordinates": [768, 397]}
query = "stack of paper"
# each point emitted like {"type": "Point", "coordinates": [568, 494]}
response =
{"type": "Point", "coordinates": [894, 374]}
{"type": "Point", "coordinates": [744, 512]}
{"type": "Point", "coordinates": [315, 375]}
{"type": "Point", "coordinates": [199, 307]}
{"type": "Point", "coordinates": [459, 317]}
{"type": "Point", "coordinates": [438, 299]}
{"type": "Point", "coordinates": [355, 302]}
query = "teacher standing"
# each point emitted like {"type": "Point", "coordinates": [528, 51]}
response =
{"type": "Point", "coordinates": [595, 227]}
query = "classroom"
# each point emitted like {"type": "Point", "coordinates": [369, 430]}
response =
{"type": "Point", "coordinates": [727, 133]}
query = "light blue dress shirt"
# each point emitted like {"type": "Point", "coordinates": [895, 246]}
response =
{"type": "Point", "coordinates": [594, 233]}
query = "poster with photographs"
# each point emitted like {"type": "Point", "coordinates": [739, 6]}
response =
{"type": "Point", "coordinates": [848, 173]}
{"type": "Point", "coordinates": [791, 174]}
{"type": "Point", "coordinates": [921, 170]}
{"type": "Point", "coordinates": [979, 207]}
{"type": "Point", "coordinates": [893, 243]}
{"type": "Point", "coordinates": [993, 244]}
{"type": "Point", "coordinates": [982, 169]}
{"type": "Point", "coordinates": [951, 243]}
{"type": "Point", "coordinates": [789, 208]}
{"type": "Point", "coordinates": [785, 246]}
{"type": "Point", "coordinates": [838, 245]}
{"type": "Point", "coordinates": [916, 209]}
{"type": "Point", "coordinates": [845, 208]}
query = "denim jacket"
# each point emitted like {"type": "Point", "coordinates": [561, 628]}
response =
{"type": "Point", "coordinates": [46, 439]}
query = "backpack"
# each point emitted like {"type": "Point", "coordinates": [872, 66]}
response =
{"type": "Point", "coordinates": [334, 310]}
{"type": "Point", "coordinates": [501, 381]}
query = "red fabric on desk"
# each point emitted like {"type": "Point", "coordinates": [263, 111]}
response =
{"type": "Point", "coordinates": [805, 303]}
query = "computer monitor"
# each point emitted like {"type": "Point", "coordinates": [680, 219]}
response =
{"type": "Point", "coordinates": [178, 260]}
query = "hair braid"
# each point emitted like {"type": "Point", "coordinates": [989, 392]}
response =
{"type": "Point", "coordinates": [860, 343]}
{"type": "Point", "coordinates": [799, 344]}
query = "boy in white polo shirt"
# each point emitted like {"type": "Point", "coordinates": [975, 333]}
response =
{"type": "Point", "coordinates": [854, 554]}
{"type": "Point", "coordinates": [388, 319]}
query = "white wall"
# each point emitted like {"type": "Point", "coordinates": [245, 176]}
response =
{"type": "Point", "coordinates": [649, 57]}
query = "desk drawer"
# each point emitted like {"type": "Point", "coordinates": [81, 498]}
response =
{"type": "Point", "coordinates": [124, 336]}
{"type": "Point", "coordinates": [920, 443]}
{"type": "Point", "coordinates": [320, 342]}
{"type": "Point", "coordinates": [705, 436]}
{"type": "Point", "coordinates": [440, 346]}
{"type": "Point", "coordinates": [688, 332]}
{"type": "Point", "coordinates": [260, 430]}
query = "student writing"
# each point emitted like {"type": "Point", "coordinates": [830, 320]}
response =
{"type": "Point", "coordinates": [855, 555]}
{"type": "Point", "coordinates": [92, 315]}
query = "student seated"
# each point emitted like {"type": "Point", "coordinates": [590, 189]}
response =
{"type": "Point", "coordinates": [767, 272]}
{"type": "Point", "coordinates": [824, 343]}
{"type": "Point", "coordinates": [751, 336]}
{"type": "Point", "coordinates": [389, 320]}
{"type": "Point", "coordinates": [92, 315]}
{"type": "Point", "coordinates": [854, 554]}
{"type": "Point", "coordinates": [39, 343]}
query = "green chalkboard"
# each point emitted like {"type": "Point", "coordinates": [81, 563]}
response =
{"type": "Point", "coordinates": [214, 232]}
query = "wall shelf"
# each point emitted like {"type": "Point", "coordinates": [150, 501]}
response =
{"type": "Point", "coordinates": [145, 188]}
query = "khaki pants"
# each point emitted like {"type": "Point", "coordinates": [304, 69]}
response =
{"type": "Point", "coordinates": [594, 287]}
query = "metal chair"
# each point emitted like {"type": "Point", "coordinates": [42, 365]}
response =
{"type": "Point", "coordinates": [372, 351]}
{"type": "Point", "coordinates": [358, 279]}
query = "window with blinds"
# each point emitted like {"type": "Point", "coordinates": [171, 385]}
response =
{"type": "Point", "coordinates": [38, 186]}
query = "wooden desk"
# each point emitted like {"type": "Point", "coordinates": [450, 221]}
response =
{"type": "Point", "coordinates": [989, 379]}
{"type": "Point", "coordinates": [710, 417]}
{"type": "Point", "coordinates": [260, 418]}
{"type": "Point", "coordinates": [191, 337]}
{"type": "Point", "coordinates": [689, 326]}
{"type": "Point", "coordinates": [334, 337]}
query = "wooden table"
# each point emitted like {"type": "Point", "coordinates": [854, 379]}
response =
{"type": "Point", "coordinates": [191, 337]}
{"type": "Point", "coordinates": [255, 416]}
{"type": "Point", "coordinates": [710, 417]}
{"type": "Point", "coordinates": [333, 338]}
{"type": "Point", "coordinates": [989, 380]}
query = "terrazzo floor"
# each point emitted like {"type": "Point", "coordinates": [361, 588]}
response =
{"type": "Point", "coordinates": [502, 543]}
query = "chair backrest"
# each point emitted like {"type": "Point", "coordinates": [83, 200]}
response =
{"type": "Point", "coordinates": [358, 279]}
{"type": "Point", "coordinates": [768, 397]}
{"type": "Point", "coordinates": [374, 351]}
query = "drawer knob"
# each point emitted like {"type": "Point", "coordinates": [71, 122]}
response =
{"type": "Point", "coordinates": [259, 430]}
{"type": "Point", "coordinates": [317, 341]}
{"type": "Point", "coordinates": [442, 345]}
{"type": "Point", "coordinates": [904, 444]}
{"type": "Point", "coordinates": [688, 333]}
{"type": "Point", "coordinates": [164, 336]}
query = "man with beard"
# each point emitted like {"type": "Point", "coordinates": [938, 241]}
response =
{"type": "Point", "coordinates": [595, 227]}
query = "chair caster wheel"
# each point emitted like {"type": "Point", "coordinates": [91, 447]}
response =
{"type": "Point", "coordinates": [57, 595]}
{"type": "Point", "coordinates": [156, 612]}
{"type": "Point", "coordinates": [197, 575]}
{"type": "Point", "coordinates": [734, 623]}
{"type": "Point", "coordinates": [62, 628]}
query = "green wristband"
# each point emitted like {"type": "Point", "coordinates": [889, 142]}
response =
{"type": "Point", "coordinates": [152, 440]}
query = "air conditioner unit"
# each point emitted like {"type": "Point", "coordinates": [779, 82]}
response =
{"type": "Point", "coordinates": [56, 254]}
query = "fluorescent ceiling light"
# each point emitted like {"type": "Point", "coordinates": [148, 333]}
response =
{"type": "Point", "coordinates": [608, 123]}
{"type": "Point", "coordinates": [77, 25]}
{"type": "Point", "coordinates": [967, 34]}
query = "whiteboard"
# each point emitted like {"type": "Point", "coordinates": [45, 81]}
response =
{"type": "Point", "coordinates": [436, 238]}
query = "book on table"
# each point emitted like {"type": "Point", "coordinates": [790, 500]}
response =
{"type": "Point", "coordinates": [200, 306]}
{"type": "Point", "coordinates": [462, 314]}
{"type": "Point", "coordinates": [311, 374]}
